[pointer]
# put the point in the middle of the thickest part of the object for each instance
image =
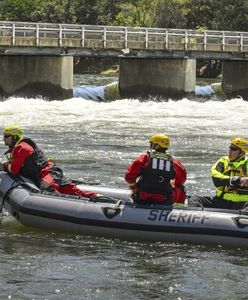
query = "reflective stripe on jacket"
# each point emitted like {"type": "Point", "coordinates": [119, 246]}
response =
{"type": "Point", "coordinates": [222, 172]}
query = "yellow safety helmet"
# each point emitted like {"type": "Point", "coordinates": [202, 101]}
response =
{"type": "Point", "coordinates": [15, 130]}
{"type": "Point", "coordinates": [240, 143]}
{"type": "Point", "coordinates": [160, 139]}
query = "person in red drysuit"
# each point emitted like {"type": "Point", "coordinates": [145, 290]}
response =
{"type": "Point", "coordinates": [160, 176]}
{"type": "Point", "coordinates": [24, 158]}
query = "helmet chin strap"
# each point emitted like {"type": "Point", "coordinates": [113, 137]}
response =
{"type": "Point", "coordinates": [242, 155]}
{"type": "Point", "coordinates": [14, 141]}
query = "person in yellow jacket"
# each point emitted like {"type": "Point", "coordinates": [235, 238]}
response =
{"type": "Point", "coordinates": [230, 176]}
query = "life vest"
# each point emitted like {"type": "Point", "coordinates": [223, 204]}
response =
{"type": "Point", "coordinates": [34, 163]}
{"type": "Point", "coordinates": [8, 155]}
{"type": "Point", "coordinates": [156, 177]}
{"type": "Point", "coordinates": [234, 193]}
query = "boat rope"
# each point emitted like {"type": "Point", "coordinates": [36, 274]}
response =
{"type": "Point", "coordinates": [103, 199]}
{"type": "Point", "coordinates": [18, 181]}
{"type": "Point", "coordinates": [6, 196]}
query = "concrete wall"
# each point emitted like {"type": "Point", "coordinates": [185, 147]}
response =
{"type": "Point", "coordinates": [235, 78]}
{"type": "Point", "coordinates": [30, 76]}
{"type": "Point", "coordinates": [171, 78]}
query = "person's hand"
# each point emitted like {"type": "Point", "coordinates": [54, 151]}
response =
{"type": "Point", "coordinates": [98, 196]}
{"type": "Point", "coordinates": [244, 181]}
{"type": "Point", "coordinates": [133, 188]}
{"type": "Point", "coordinates": [172, 183]}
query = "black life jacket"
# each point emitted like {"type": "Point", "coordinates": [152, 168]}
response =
{"type": "Point", "coordinates": [34, 163]}
{"type": "Point", "coordinates": [156, 177]}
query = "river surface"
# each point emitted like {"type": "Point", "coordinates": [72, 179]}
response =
{"type": "Point", "coordinates": [97, 141]}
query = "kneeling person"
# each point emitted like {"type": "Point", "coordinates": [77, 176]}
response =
{"type": "Point", "coordinates": [24, 158]}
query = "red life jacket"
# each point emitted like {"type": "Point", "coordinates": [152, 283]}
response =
{"type": "Point", "coordinates": [34, 163]}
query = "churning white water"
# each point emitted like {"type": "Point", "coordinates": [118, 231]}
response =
{"type": "Point", "coordinates": [97, 141]}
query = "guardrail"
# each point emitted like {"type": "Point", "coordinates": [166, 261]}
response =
{"type": "Point", "coordinates": [21, 34]}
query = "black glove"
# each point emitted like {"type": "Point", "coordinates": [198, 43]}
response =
{"type": "Point", "coordinates": [235, 181]}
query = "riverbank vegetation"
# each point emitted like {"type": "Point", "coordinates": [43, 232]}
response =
{"type": "Point", "coordinates": [190, 14]}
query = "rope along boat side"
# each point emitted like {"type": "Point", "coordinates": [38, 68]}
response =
{"type": "Point", "coordinates": [115, 217]}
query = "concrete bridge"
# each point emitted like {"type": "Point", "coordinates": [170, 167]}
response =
{"type": "Point", "coordinates": [37, 58]}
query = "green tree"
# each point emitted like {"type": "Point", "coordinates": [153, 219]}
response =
{"type": "Point", "coordinates": [170, 14]}
{"type": "Point", "coordinates": [136, 13]}
{"type": "Point", "coordinates": [231, 15]}
{"type": "Point", "coordinates": [18, 10]}
{"type": "Point", "coordinates": [106, 10]}
{"type": "Point", "coordinates": [200, 14]}
{"type": "Point", "coordinates": [217, 15]}
{"type": "Point", "coordinates": [191, 14]}
{"type": "Point", "coordinates": [55, 11]}
{"type": "Point", "coordinates": [85, 14]}
{"type": "Point", "coordinates": [52, 11]}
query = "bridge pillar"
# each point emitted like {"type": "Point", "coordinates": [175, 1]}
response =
{"type": "Point", "coordinates": [171, 78]}
{"type": "Point", "coordinates": [235, 78]}
{"type": "Point", "coordinates": [30, 76]}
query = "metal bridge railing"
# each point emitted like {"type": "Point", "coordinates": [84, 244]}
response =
{"type": "Point", "coordinates": [117, 37]}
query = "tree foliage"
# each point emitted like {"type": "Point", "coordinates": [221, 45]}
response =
{"type": "Point", "coordinates": [190, 14]}
{"type": "Point", "coordinates": [18, 10]}
{"type": "Point", "coordinates": [170, 14]}
{"type": "Point", "coordinates": [139, 13]}
{"type": "Point", "coordinates": [217, 15]}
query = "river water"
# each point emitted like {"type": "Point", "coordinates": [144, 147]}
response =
{"type": "Point", "coordinates": [97, 141]}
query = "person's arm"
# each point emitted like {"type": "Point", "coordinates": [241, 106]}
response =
{"type": "Point", "coordinates": [134, 170]}
{"type": "Point", "coordinates": [4, 164]}
{"type": "Point", "coordinates": [218, 176]}
{"type": "Point", "coordinates": [181, 174]}
{"type": "Point", "coordinates": [179, 191]}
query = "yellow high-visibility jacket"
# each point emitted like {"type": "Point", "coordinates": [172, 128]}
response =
{"type": "Point", "coordinates": [226, 177]}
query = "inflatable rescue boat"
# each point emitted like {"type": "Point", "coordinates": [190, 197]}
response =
{"type": "Point", "coordinates": [115, 215]}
